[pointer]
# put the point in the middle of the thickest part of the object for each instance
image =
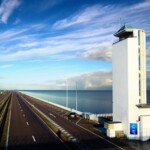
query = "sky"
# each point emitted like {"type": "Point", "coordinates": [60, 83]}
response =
{"type": "Point", "coordinates": [46, 44]}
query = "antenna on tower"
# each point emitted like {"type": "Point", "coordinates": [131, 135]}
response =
{"type": "Point", "coordinates": [119, 23]}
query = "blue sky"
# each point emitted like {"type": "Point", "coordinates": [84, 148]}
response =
{"type": "Point", "coordinates": [44, 43]}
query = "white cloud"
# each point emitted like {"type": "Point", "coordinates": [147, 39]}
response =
{"type": "Point", "coordinates": [141, 6]}
{"type": "Point", "coordinates": [86, 15]}
{"type": "Point", "coordinates": [17, 21]}
{"type": "Point", "coordinates": [6, 9]}
{"type": "Point", "coordinates": [102, 52]}
{"type": "Point", "coordinates": [8, 34]}
{"type": "Point", "coordinates": [87, 81]}
{"type": "Point", "coordinates": [91, 39]}
{"type": "Point", "coordinates": [30, 45]}
{"type": "Point", "coordinates": [6, 66]}
{"type": "Point", "coordinates": [93, 80]}
{"type": "Point", "coordinates": [98, 80]}
{"type": "Point", "coordinates": [94, 16]}
{"type": "Point", "coordinates": [103, 18]}
{"type": "Point", "coordinates": [148, 53]}
{"type": "Point", "coordinates": [44, 4]}
{"type": "Point", "coordinates": [108, 15]}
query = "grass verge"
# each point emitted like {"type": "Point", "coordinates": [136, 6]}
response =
{"type": "Point", "coordinates": [4, 126]}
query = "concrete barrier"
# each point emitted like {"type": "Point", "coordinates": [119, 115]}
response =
{"type": "Point", "coordinates": [60, 106]}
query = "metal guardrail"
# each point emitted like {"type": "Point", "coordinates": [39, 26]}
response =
{"type": "Point", "coordinates": [105, 115]}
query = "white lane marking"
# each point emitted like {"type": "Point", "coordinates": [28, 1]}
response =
{"type": "Point", "coordinates": [23, 115]}
{"type": "Point", "coordinates": [101, 137]}
{"type": "Point", "coordinates": [65, 114]}
{"type": "Point", "coordinates": [33, 138]}
{"type": "Point", "coordinates": [21, 110]}
{"type": "Point", "coordinates": [79, 120]}
{"type": "Point", "coordinates": [27, 123]}
{"type": "Point", "coordinates": [52, 115]}
{"type": "Point", "coordinates": [45, 123]}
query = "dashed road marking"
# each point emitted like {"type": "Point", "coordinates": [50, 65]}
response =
{"type": "Point", "coordinates": [78, 120]}
{"type": "Point", "coordinates": [33, 138]}
{"type": "Point", "coordinates": [27, 123]}
{"type": "Point", "coordinates": [52, 115]}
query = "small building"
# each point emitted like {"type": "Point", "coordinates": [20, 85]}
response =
{"type": "Point", "coordinates": [114, 129]}
{"type": "Point", "coordinates": [90, 116]}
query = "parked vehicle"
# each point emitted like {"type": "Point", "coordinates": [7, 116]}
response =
{"type": "Point", "coordinates": [72, 115]}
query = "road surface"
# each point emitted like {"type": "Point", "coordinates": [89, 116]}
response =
{"type": "Point", "coordinates": [27, 131]}
{"type": "Point", "coordinates": [89, 139]}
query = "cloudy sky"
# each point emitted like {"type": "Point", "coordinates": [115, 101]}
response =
{"type": "Point", "coordinates": [44, 43]}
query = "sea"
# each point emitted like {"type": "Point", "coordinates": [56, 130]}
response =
{"type": "Point", "coordinates": [97, 101]}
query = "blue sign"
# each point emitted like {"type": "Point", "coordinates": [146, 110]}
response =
{"type": "Point", "coordinates": [133, 128]}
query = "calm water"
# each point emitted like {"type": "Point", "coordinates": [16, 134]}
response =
{"type": "Point", "coordinates": [88, 101]}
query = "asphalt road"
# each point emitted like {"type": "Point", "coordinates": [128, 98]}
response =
{"type": "Point", "coordinates": [92, 141]}
{"type": "Point", "coordinates": [27, 131]}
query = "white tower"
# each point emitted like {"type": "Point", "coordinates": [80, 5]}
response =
{"type": "Point", "coordinates": [129, 78]}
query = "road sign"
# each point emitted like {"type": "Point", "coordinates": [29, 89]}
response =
{"type": "Point", "coordinates": [133, 128]}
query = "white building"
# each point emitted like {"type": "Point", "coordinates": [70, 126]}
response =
{"type": "Point", "coordinates": [129, 83]}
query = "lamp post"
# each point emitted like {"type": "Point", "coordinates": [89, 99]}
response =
{"type": "Point", "coordinates": [76, 98]}
{"type": "Point", "coordinates": [66, 93]}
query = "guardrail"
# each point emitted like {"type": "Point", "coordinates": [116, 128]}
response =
{"type": "Point", "coordinates": [105, 115]}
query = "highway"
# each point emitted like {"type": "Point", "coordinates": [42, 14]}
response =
{"type": "Point", "coordinates": [27, 131]}
{"type": "Point", "coordinates": [88, 139]}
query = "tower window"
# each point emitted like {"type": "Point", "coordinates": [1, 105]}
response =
{"type": "Point", "coordinates": [138, 37]}
{"type": "Point", "coordinates": [125, 35]}
{"type": "Point", "coordinates": [139, 63]}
